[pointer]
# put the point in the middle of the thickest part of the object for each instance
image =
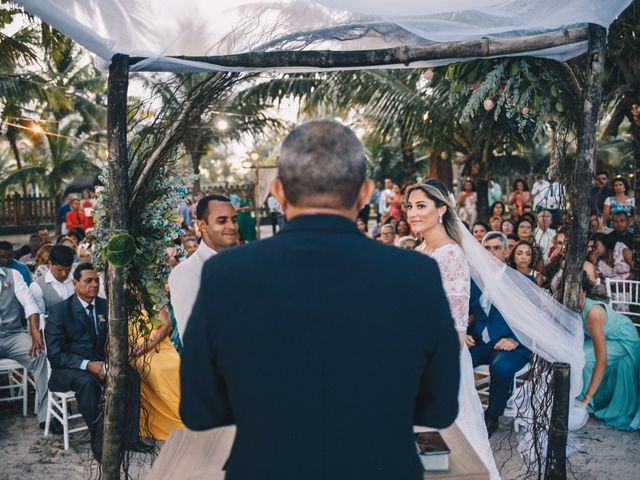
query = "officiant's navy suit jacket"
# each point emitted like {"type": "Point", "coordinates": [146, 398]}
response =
{"type": "Point", "coordinates": [323, 347]}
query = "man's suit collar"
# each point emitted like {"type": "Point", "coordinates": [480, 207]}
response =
{"type": "Point", "coordinates": [321, 222]}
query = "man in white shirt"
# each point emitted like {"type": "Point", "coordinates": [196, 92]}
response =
{"type": "Point", "coordinates": [218, 221]}
{"type": "Point", "coordinates": [539, 192]}
{"type": "Point", "coordinates": [277, 214]}
{"type": "Point", "coordinates": [382, 202]}
{"type": "Point", "coordinates": [57, 284]}
{"type": "Point", "coordinates": [544, 233]}
{"type": "Point", "coordinates": [15, 343]}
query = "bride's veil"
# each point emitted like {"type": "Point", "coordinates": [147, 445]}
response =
{"type": "Point", "coordinates": [543, 325]}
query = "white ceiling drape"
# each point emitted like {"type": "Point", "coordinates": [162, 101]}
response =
{"type": "Point", "coordinates": [159, 29]}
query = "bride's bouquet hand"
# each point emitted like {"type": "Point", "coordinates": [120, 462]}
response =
{"type": "Point", "coordinates": [470, 341]}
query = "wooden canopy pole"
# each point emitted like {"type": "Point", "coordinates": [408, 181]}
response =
{"type": "Point", "coordinates": [117, 297]}
{"type": "Point", "coordinates": [404, 55]}
{"type": "Point", "coordinates": [583, 167]}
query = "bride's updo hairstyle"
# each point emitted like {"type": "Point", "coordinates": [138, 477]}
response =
{"type": "Point", "coordinates": [438, 194]}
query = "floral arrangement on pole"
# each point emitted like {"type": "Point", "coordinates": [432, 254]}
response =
{"type": "Point", "coordinates": [144, 251]}
{"type": "Point", "coordinates": [519, 89]}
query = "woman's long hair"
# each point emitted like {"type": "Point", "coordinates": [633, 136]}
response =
{"type": "Point", "coordinates": [438, 194]}
{"type": "Point", "coordinates": [593, 291]}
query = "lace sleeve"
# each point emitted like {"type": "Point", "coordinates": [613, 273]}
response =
{"type": "Point", "coordinates": [455, 280]}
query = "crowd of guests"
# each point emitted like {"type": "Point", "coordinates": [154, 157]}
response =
{"type": "Point", "coordinates": [527, 230]}
{"type": "Point", "coordinates": [534, 224]}
{"type": "Point", "coordinates": [50, 286]}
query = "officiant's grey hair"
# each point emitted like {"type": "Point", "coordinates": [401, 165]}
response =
{"type": "Point", "coordinates": [322, 164]}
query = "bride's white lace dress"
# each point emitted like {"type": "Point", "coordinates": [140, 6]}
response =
{"type": "Point", "coordinates": [454, 270]}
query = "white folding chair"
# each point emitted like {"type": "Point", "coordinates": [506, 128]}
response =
{"type": "Point", "coordinates": [58, 407]}
{"type": "Point", "coordinates": [482, 386]}
{"type": "Point", "coordinates": [624, 295]}
{"type": "Point", "coordinates": [18, 377]}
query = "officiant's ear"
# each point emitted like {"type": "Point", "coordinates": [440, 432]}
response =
{"type": "Point", "coordinates": [277, 190]}
{"type": "Point", "coordinates": [366, 191]}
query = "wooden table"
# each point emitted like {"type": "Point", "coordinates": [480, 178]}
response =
{"type": "Point", "coordinates": [188, 455]}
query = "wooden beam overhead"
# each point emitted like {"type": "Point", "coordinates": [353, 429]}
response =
{"type": "Point", "coordinates": [405, 55]}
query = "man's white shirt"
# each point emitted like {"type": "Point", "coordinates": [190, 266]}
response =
{"type": "Point", "coordinates": [184, 283]}
{"type": "Point", "coordinates": [63, 289]}
{"type": "Point", "coordinates": [382, 203]}
{"type": "Point", "coordinates": [539, 192]}
{"type": "Point", "coordinates": [21, 290]}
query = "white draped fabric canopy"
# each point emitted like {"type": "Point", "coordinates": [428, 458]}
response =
{"type": "Point", "coordinates": [156, 31]}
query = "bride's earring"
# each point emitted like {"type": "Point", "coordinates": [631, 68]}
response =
{"type": "Point", "coordinates": [440, 219]}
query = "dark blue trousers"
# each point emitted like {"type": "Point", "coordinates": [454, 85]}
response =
{"type": "Point", "coordinates": [502, 368]}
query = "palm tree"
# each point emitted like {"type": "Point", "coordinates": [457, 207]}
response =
{"type": "Point", "coordinates": [227, 119]}
{"type": "Point", "coordinates": [55, 157]}
{"type": "Point", "coordinates": [621, 93]}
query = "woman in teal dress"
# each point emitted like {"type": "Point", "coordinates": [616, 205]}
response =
{"type": "Point", "coordinates": [246, 224]}
{"type": "Point", "coordinates": [611, 375]}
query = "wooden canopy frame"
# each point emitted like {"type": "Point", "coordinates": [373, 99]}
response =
{"type": "Point", "coordinates": [595, 35]}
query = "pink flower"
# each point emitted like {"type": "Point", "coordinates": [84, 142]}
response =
{"type": "Point", "coordinates": [474, 86]}
{"type": "Point", "coordinates": [488, 104]}
{"type": "Point", "coordinates": [172, 252]}
{"type": "Point", "coordinates": [428, 75]}
{"type": "Point", "coordinates": [525, 111]}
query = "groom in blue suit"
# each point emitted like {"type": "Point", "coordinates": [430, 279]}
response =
{"type": "Point", "coordinates": [320, 385]}
{"type": "Point", "coordinates": [491, 342]}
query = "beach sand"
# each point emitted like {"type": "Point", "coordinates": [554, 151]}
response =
{"type": "Point", "coordinates": [25, 454]}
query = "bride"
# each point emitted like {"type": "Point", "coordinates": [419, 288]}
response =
{"type": "Point", "coordinates": [431, 213]}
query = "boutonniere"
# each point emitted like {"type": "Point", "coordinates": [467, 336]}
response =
{"type": "Point", "coordinates": [101, 319]}
{"type": "Point", "coordinates": [6, 284]}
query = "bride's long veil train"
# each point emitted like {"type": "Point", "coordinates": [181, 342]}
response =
{"type": "Point", "coordinates": [551, 331]}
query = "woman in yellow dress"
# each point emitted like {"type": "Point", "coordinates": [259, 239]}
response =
{"type": "Point", "coordinates": [160, 382]}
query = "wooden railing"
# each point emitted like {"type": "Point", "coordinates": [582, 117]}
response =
{"type": "Point", "coordinates": [26, 211]}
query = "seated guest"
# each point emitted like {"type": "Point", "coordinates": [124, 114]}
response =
{"type": "Point", "coordinates": [76, 332]}
{"type": "Point", "coordinates": [479, 229]}
{"type": "Point", "coordinates": [621, 233]}
{"type": "Point", "coordinates": [190, 245]}
{"type": "Point", "coordinates": [388, 234]}
{"type": "Point", "coordinates": [29, 258]}
{"type": "Point", "coordinates": [491, 342]}
{"type": "Point", "coordinates": [41, 265]}
{"type": "Point", "coordinates": [494, 224]}
{"type": "Point", "coordinates": [611, 375]}
{"type": "Point", "coordinates": [544, 233]}
{"type": "Point", "coordinates": [57, 284]}
{"type": "Point", "coordinates": [512, 239]}
{"type": "Point", "coordinates": [522, 259]}
{"type": "Point", "coordinates": [402, 230]}
{"type": "Point", "coordinates": [524, 230]}
{"type": "Point", "coordinates": [554, 272]}
{"type": "Point", "coordinates": [75, 218]}
{"type": "Point", "coordinates": [362, 227]}
{"type": "Point", "coordinates": [43, 232]}
{"type": "Point", "coordinates": [7, 261]}
{"type": "Point", "coordinates": [497, 209]}
{"type": "Point", "coordinates": [15, 343]}
{"type": "Point", "coordinates": [614, 258]}
{"type": "Point", "coordinates": [507, 226]}
{"type": "Point", "coordinates": [160, 385]}
{"type": "Point", "coordinates": [408, 243]}
{"type": "Point", "coordinates": [596, 224]}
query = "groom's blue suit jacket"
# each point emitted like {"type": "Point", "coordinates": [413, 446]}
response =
{"type": "Point", "coordinates": [494, 322]}
{"type": "Point", "coordinates": [323, 347]}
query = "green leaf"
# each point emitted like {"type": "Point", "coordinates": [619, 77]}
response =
{"type": "Point", "coordinates": [121, 250]}
{"type": "Point", "coordinates": [515, 69]}
{"type": "Point", "coordinates": [559, 107]}
{"type": "Point", "coordinates": [554, 91]}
